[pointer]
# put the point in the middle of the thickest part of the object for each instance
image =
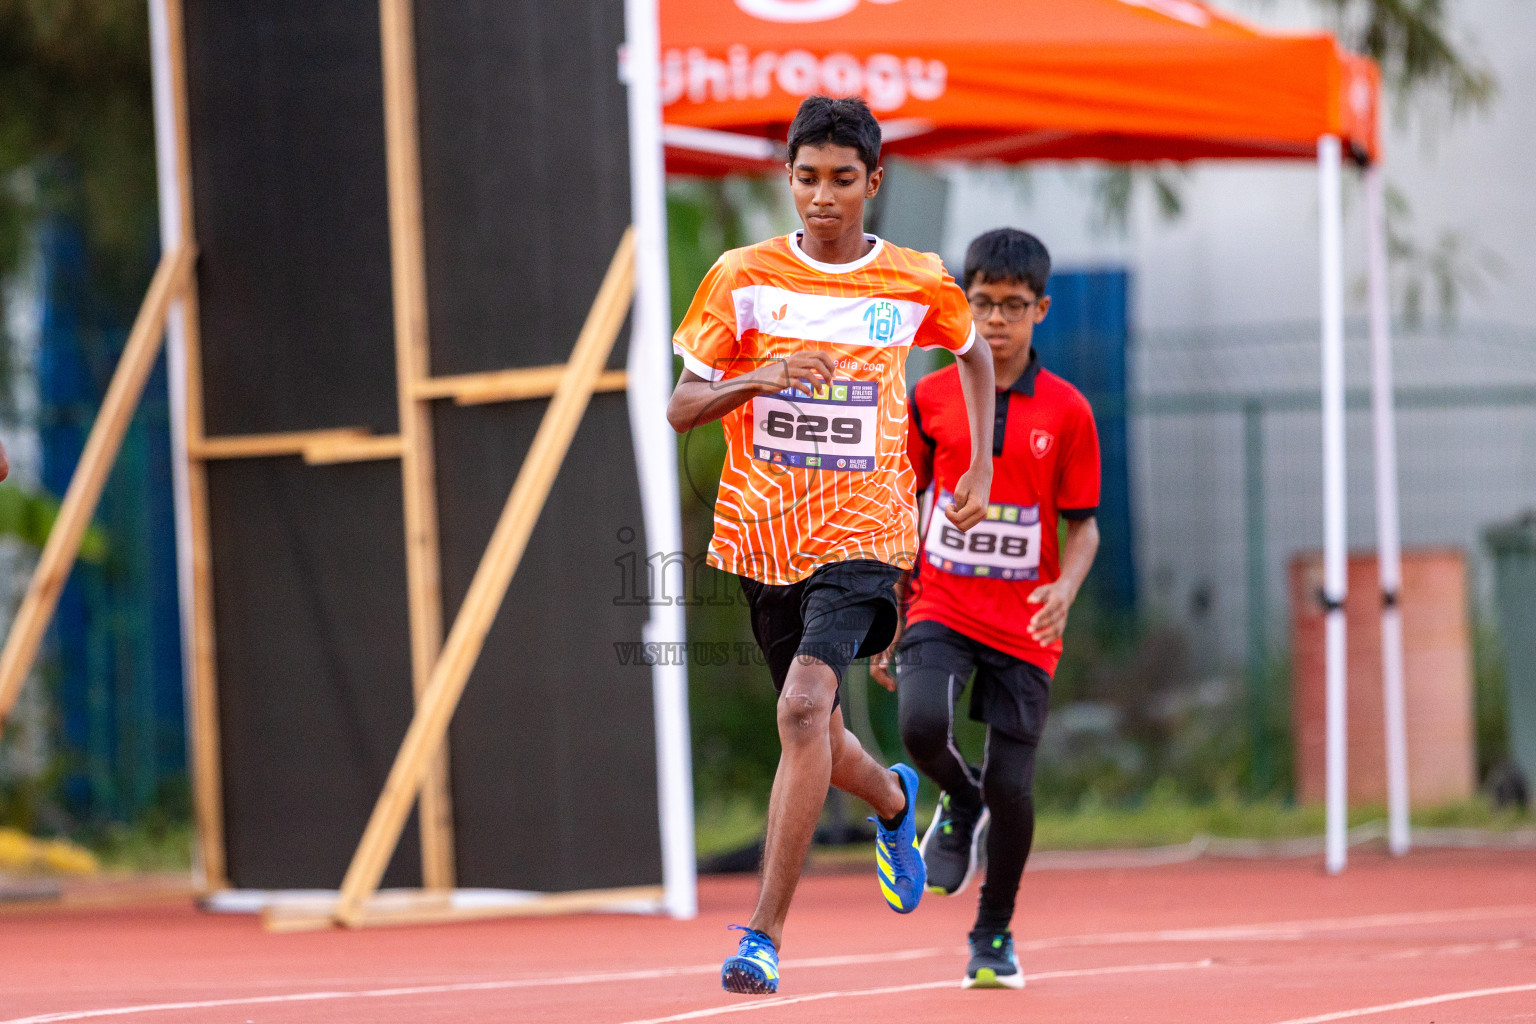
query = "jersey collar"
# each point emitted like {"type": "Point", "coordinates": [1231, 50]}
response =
{"type": "Point", "coordinates": [835, 268]}
{"type": "Point", "coordinates": [1025, 385]}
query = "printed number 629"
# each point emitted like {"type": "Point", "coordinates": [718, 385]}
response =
{"type": "Point", "coordinates": [816, 429]}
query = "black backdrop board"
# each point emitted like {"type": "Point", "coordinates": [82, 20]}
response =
{"type": "Point", "coordinates": [553, 748]}
{"type": "Point", "coordinates": [525, 172]}
{"type": "Point", "coordinates": [286, 111]}
{"type": "Point", "coordinates": [314, 664]}
{"type": "Point", "coordinates": [525, 176]}
{"type": "Point", "coordinates": [287, 126]}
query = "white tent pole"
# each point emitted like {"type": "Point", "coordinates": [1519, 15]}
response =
{"type": "Point", "coordinates": [650, 380]}
{"type": "Point", "coordinates": [171, 221]}
{"type": "Point", "coordinates": [1388, 537]}
{"type": "Point", "coordinates": [1335, 567]}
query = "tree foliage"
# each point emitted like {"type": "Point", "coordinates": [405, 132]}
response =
{"type": "Point", "coordinates": [1421, 63]}
{"type": "Point", "coordinates": [1412, 42]}
{"type": "Point", "coordinates": [1422, 66]}
{"type": "Point", "coordinates": [77, 132]}
{"type": "Point", "coordinates": [1446, 269]}
{"type": "Point", "coordinates": [30, 518]}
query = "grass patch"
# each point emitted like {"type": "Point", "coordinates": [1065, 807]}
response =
{"type": "Point", "coordinates": [1160, 820]}
{"type": "Point", "coordinates": [146, 848]}
{"type": "Point", "coordinates": [720, 826]}
{"type": "Point", "coordinates": [1475, 814]}
{"type": "Point", "coordinates": [1165, 822]}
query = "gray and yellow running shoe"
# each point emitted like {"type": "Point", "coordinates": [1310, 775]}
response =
{"type": "Point", "coordinates": [993, 962]}
{"type": "Point", "coordinates": [952, 844]}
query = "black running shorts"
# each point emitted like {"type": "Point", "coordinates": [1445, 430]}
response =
{"type": "Point", "coordinates": [840, 612]}
{"type": "Point", "coordinates": [1010, 694]}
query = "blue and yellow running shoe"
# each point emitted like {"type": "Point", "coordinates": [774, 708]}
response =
{"type": "Point", "coordinates": [898, 861]}
{"type": "Point", "coordinates": [754, 970]}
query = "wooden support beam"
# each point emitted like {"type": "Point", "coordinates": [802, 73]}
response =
{"type": "Point", "coordinates": [353, 449]}
{"type": "Point", "coordinates": [202, 691]}
{"type": "Point", "coordinates": [262, 446]}
{"type": "Point", "coordinates": [510, 385]}
{"type": "Point", "coordinates": [204, 757]}
{"type": "Point", "coordinates": [442, 907]}
{"type": "Point", "coordinates": [418, 476]}
{"type": "Point", "coordinates": [435, 708]}
{"type": "Point", "coordinates": [84, 490]}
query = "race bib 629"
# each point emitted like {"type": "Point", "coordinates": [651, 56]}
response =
{"type": "Point", "coordinates": [836, 427]}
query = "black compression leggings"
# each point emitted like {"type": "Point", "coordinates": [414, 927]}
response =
{"type": "Point", "coordinates": [1005, 781]}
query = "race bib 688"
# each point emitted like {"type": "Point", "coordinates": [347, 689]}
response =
{"type": "Point", "coordinates": [1004, 546]}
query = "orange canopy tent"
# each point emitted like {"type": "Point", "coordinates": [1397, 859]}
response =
{"type": "Point", "coordinates": [715, 83]}
{"type": "Point", "coordinates": [1027, 79]}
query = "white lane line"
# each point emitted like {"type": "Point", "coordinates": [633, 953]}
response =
{"type": "Point", "coordinates": [1282, 930]}
{"type": "Point", "coordinates": [1409, 1004]}
{"type": "Point", "coordinates": [1289, 930]}
{"type": "Point", "coordinates": [491, 986]}
{"type": "Point", "coordinates": [768, 1004]}
{"type": "Point", "coordinates": [847, 960]}
{"type": "Point", "coordinates": [851, 959]}
{"type": "Point", "coordinates": [1464, 949]}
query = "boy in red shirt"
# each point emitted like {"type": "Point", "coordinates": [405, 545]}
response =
{"type": "Point", "coordinates": [994, 601]}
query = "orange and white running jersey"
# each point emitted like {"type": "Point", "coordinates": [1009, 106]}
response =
{"type": "Point", "coordinates": [815, 479]}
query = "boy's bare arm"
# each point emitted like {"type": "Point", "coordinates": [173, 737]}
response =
{"type": "Point", "coordinates": [1055, 599]}
{"type": "Point", "coordinates": [696, 401]}
{"type": "Point", "coordinates": [880, 664]}
{"type": "Point", "coordinates": [975, 485]}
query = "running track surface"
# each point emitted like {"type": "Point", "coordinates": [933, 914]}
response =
{"type": "Point", "coordinates": [1447, 937]}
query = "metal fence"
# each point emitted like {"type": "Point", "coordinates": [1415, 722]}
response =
{"type": "Point", "coordinates": [1227, 472]}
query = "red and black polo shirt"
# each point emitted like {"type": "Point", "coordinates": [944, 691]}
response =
{"type": "Point", "coordinates": [1045, 465]}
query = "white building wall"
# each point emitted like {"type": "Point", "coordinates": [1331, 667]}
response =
{"type": "Point", "coordinates": [1225, 302]}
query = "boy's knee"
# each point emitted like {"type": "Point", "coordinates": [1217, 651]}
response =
{"type": "Point", "coordinates": [802, 716]}
{"type": "Point", "coordinates": [923, 732]}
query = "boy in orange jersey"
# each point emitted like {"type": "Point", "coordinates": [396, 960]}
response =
{"type": "Point", "coordinates": [799, 343]}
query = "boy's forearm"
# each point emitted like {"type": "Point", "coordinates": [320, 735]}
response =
{"type": "Point", "coordinates": [978, 385]}
{"type": "Point", "coordinates": [1078, 553]}
{"type": "Point", "coordinates": [697, 402]}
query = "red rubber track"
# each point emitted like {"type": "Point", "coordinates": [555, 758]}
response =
{"type": "Point", "coordinates": [1451, 933]}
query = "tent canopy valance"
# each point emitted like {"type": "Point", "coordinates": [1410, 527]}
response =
{"type": "Point", "coordinates": [1031, 79]}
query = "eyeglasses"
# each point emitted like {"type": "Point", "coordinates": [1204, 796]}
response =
{"type": "Point", "coordinates": [1013, 308]}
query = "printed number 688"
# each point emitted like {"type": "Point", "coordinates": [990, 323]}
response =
{"type": "Point", "coordinates": [982, 543]}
